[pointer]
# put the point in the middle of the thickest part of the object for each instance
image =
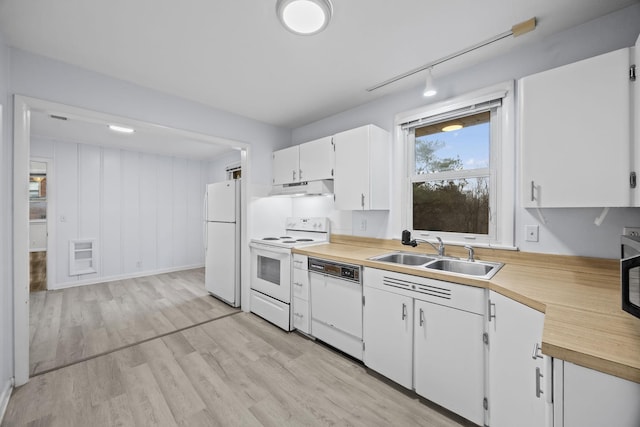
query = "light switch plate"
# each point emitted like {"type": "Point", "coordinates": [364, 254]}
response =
{"type": "Point", "coordinates": [531, 233]}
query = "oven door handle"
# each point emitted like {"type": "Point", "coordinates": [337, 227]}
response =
{"type": "Point", "coordinates": [270, 249]}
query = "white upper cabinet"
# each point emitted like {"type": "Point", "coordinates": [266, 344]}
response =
{"type": "Point", "coordinates": [362, 169]}
{"type": "Point", "coordinates": [317, 159]}
{"type": "Point", "coordinates": [575, 133]}
{"type": "Point", "coordinates": [311, 161]}
{"type": "Point", "coordinates": [285, 164]}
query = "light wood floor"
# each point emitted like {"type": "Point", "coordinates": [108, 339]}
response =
{"type": "Point", "coordinates": [235, 371]}
{"type": "Point", "coordinates": [77, 323]}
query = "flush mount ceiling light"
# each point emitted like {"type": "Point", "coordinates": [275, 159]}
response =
{"type": "Point", "coordinates": [304, 17]}
{"type": "Point", "coordinates": [429, 88]}
{"type": "Point", "coordinates": [452, 127]}
{"type": "Point", "coordinates": [121, 129]}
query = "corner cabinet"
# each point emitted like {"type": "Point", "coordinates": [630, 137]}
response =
{"type": "Point", "coordinates": [575, 133]}
{"type": "Point", "coordinates": [311, 161]}
{"type": "Point", "coordinates": [362, 164]}
{"type": "Point", "coordinates": [520, 384]}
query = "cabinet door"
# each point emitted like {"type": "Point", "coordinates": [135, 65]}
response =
{"type": "Point", "coordinates": [514, 372]}
{"type": "Point", "coordinates": [449, 359]}
{"type": "Point", "coordinates": [286, 165]}
{"type": "Point", "coordinates": [575, 134]}
{"type": "Point", "coordinates": [388, 334]}
{"type": "Point", "coordinates": [351, 182]}
{"type": "Point", "coordinates": [593, 398]}
{"type": "Point", "coordinates": [317, 159]}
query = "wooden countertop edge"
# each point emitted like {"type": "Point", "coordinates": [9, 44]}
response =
{"type": "Point", "coordinates": [357, 250]}
{"type": "Point", "coordinates": [592, 362]}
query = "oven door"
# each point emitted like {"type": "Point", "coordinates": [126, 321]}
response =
{"type": "Point", "coordinates": [271, 271]}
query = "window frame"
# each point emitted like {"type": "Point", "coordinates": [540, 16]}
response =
{"type": "Point", "coordinates": [501, 164]}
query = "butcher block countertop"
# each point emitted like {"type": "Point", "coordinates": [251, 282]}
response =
{"type": "Point", "coordinates": [584, 322]}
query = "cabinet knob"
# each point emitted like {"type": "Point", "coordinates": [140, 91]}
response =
{"type": "Point", "coordinates": [421, 317]}
{"type": "Point", "coordinates": [404, 311]}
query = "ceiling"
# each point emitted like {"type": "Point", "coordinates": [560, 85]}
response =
{"type": "Point", "coordinates": [235, 56]}
{"type": "Point", "coordinates": [85, 127]}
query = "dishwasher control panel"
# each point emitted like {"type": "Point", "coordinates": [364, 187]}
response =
{"type": "Point", "coordinates": [335, 269]}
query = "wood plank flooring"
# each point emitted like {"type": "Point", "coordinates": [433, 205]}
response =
{"type": "Point", "coordinates": [238, 370]}
{"type": "Point", "coordinates": [74, 324]}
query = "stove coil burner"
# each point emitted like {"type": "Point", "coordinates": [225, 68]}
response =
{"type": "Point", "coordinates": [304, 240]}
{"type": "Point", "coordinates": [270, 238]}
{"type": "Point", "coordinates": [286, 237]}
{"type": "Point", "coordinates": [288, 241]}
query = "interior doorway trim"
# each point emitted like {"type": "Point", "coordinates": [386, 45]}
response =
{"type": "Point", "coordinates": [22, 107]}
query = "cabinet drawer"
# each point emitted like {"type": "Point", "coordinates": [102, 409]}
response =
{"type": "Point", "coordinates": [299, 261]}
{"type": "Point", "coordinates": [300, 284]}
{"type": "Point", "coordinates": [301, 317]}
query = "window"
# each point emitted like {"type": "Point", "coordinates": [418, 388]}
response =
{"type": "Point", "coordinates": [459, 170]}
{"type": "Point", "coordinates": [451, 179]}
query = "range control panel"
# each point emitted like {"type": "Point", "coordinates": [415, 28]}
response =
{"type": "Point", "coordinates": [330, 268]}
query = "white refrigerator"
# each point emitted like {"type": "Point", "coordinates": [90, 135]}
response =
{"type": "Point", "coordinates": [222, 241]}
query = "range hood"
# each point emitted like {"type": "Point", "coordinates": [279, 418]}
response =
{"type": "Point", "coordinates": [306, 188]}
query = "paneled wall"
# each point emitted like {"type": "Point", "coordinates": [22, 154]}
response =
{"type": "Point", "coordinates": [143, 210]}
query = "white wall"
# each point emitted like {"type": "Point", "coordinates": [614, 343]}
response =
{"type": "Point", "coordinates": [567, 231]}
{"type": "Point", "coordinates": [51, 80]}
{"type": "Point", "coordinates": [144, 210]}
{"type": "Point", "coordinates": [6, 261]}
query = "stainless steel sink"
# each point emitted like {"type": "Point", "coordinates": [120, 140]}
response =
{"type": "Point", "coordinates": [482, 269]}
{"type": "Point", "coordinates": [479, 269]}
{"type": "Point", "coordinates": [404, 258]}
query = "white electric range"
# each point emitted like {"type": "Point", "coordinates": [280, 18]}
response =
{"type": "Point", "coordinates": [270, 296]}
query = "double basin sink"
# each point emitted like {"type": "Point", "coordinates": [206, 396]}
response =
{"type": "Point", "coordinates": [478, 269]}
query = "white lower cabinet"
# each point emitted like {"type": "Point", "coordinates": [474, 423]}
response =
{"type": "Point", "coordinates": [588, 398]}
{"type": "Point", "coordinates": [388, 334]}
{"type": "Point", "coordinates": [448, 359]}
{"type": "Point", "coordinates": [519, 375]}
{"type": "Point", "coordinates": [427, 335]}
{"type": "Point", "coordinates": [300, 288]}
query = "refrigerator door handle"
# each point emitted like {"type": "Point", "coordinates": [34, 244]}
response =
{"type": "Point", "coordinates": [204, 221]}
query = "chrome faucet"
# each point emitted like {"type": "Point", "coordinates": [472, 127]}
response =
{"type": "Point", "coordinates": [470, 249]}
{"type": "Point", "coordinates": [406, 240]}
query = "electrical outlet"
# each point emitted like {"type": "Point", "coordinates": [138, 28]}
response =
{"type": "Point", "coordinates": [631, 231]}
{"type": "Point", "coordinates": [531, 233]}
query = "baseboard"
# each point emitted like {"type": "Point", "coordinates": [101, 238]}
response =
{"type": "Point", "coordinates": [4, 397]}
{"type": "Point", "coordinates": [103, 279]}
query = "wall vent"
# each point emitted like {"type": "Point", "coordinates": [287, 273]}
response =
{"type": "Point", "coordinates": [82, 257]}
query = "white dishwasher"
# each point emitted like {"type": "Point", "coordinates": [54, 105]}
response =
{"type": "Point", "coordinates": [336, 305]}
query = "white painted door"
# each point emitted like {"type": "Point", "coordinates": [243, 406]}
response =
{"type": "Point", "coordinates": [285, 166]}
{"type": "Point", "coordinates": [514, 372]}
{"type": "Point", "coordinates": [575, 134]}
{"type": "Point", "coordinates": [449, 359]}
{"type": "Point", "coordinates": [388, 334]}
{"type": "Point", "coordinates": [317, 159]}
